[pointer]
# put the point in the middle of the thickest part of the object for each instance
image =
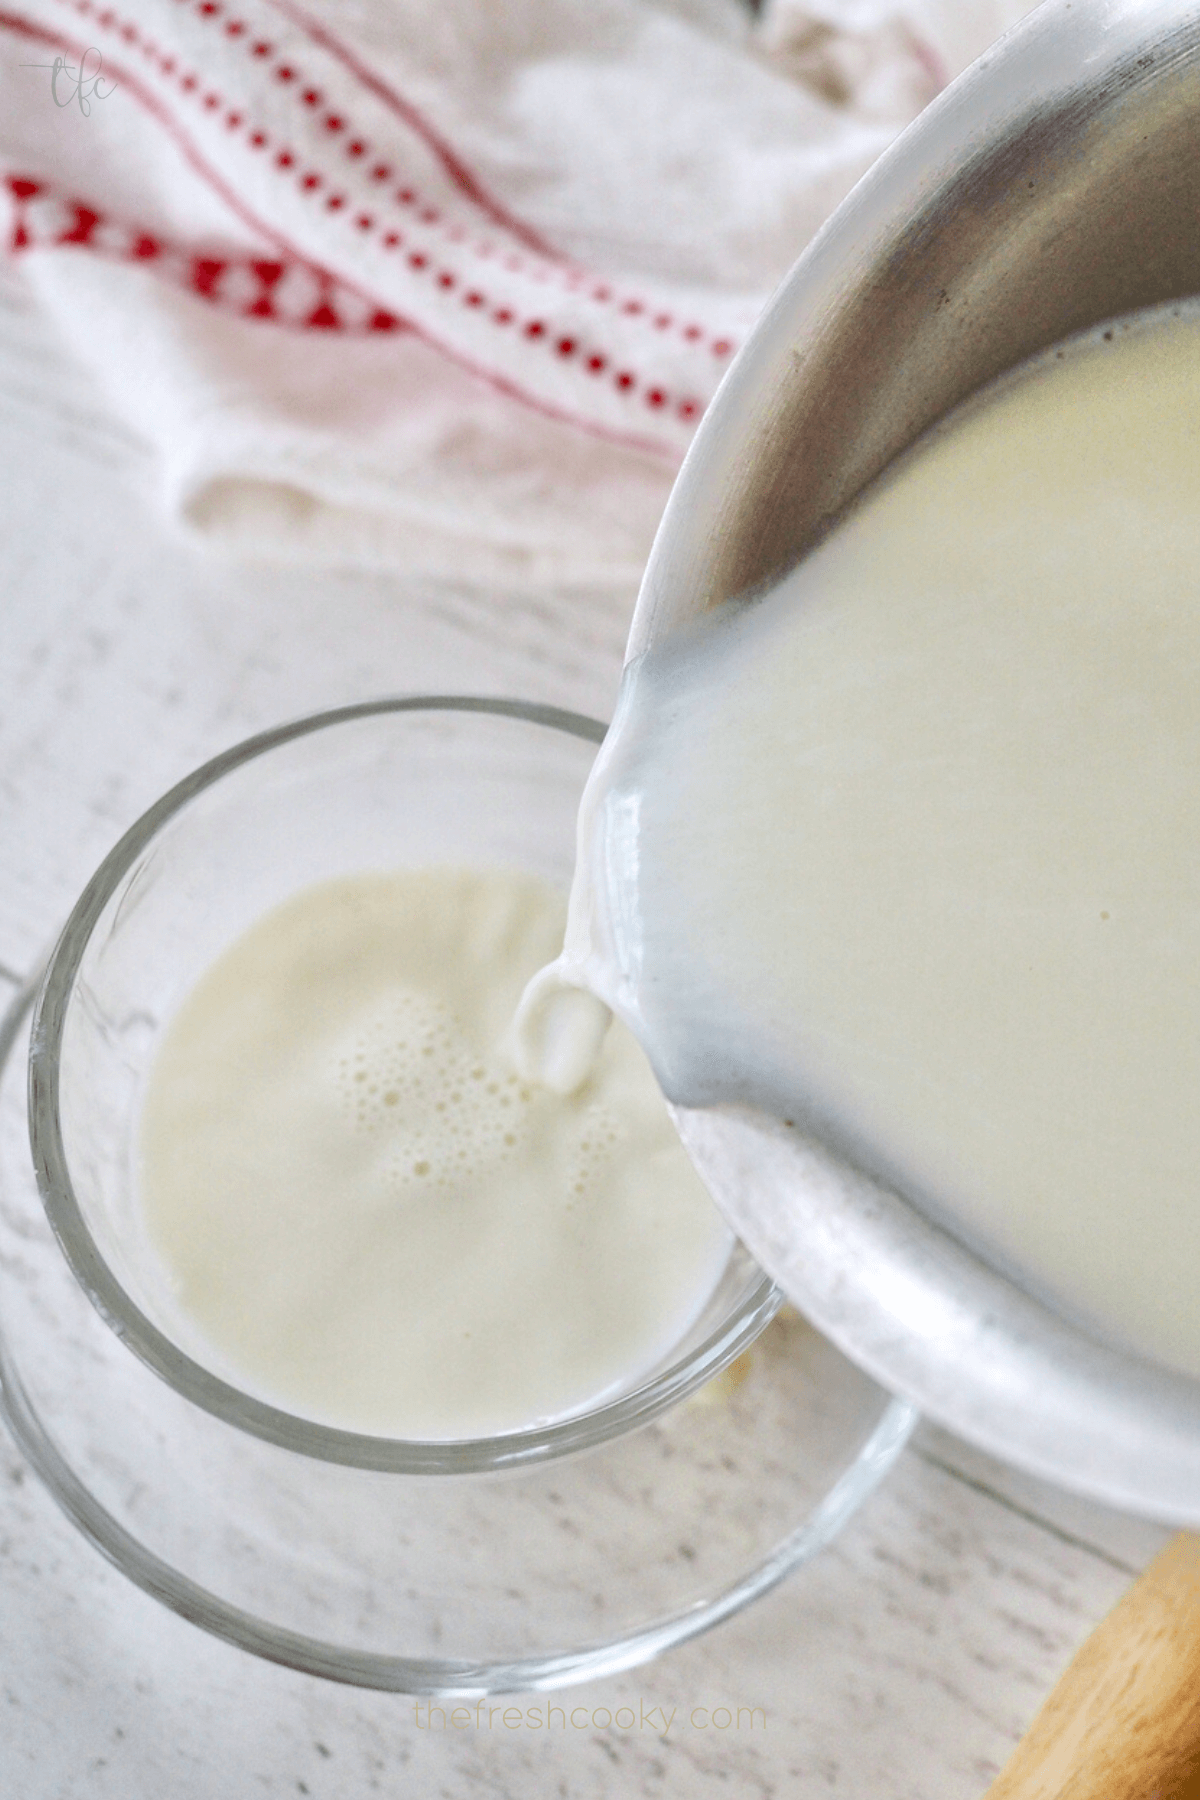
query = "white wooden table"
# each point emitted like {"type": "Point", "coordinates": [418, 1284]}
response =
{"type": "Point", "coordinates": [901, 1665]}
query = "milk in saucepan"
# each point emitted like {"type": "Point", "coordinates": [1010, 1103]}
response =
{"type": "Point", "coordinates": [908, 849]}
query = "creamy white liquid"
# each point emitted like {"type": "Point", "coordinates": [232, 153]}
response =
{"type": "Point", "coordinates": [368, 1216]}
{"type": "Point", "coordinates": [909, 850]}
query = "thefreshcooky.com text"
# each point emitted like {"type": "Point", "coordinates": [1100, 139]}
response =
{"type": "Point", "coordinates": [485, 1716]}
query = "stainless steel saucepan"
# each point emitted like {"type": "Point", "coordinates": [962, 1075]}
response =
{"type": "Point", "coordinates": [1056, 184]}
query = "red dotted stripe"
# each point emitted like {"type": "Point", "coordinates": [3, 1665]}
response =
{"type": "Point", "coordinates": [247, 287]}
{"type": "Point", "coordinates": [286, 73]}
{"type": "Point", "coordinates": [368, 79]}
{"type": "Point", "coordinates": [536, 330]}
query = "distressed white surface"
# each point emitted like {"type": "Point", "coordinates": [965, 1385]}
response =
{"type": "Point", "coordinates": [900, 1666]}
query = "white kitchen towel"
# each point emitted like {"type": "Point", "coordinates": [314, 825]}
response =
{"type": "Point", "coordinates": [441, 285]}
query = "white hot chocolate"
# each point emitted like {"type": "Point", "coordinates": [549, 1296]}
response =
{"type": "Point", "coordinates": [908, 850]}
{"type": "Point", "coordinates": [368, 1217]}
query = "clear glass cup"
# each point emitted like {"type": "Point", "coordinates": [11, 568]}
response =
{"type": "Point", "coordinates": [476, 1566]}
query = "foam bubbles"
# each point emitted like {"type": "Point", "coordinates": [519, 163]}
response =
{"type": "Point", "coordinates": [414, 1078]}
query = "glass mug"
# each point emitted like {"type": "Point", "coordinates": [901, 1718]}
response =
{"type": "Point", "coordinates": [490, 1565]}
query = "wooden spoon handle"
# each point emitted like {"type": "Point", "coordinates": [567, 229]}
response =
{"type": "Point", "coordinates": [1124, 1721]}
